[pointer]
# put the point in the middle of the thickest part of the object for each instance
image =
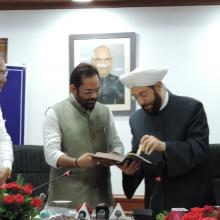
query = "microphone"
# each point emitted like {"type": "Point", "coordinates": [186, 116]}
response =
{"type": "Point", "coordinates": [67, 173]}
{"type": "Point", "coordinates": [156, 198]}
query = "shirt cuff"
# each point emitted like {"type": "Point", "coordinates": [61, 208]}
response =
{"type": "Point", "coordinates": [56, 157]}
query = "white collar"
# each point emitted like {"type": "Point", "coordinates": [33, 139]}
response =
{"type": "Point", "coordinates": [165, 101]}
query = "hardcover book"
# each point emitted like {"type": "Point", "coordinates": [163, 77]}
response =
{"type": "Point", "coordinates": [116, 159]}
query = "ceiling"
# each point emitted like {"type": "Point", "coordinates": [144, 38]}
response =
{"type": "Point", "coordinates": [67, 4]}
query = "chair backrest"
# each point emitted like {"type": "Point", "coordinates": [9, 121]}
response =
{"type": "Point", "coordinates": [215, 168]}
{"type": "Point", "coordinates": [29, 161]}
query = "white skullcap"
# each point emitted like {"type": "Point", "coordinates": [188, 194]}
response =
{"type": "Point", "coordinates": [142, 77]}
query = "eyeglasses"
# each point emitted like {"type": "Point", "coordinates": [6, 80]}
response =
{"type": "Point", "coordinates": [3, 74]}
{"type": "Point", "coordinates": [89, 92]}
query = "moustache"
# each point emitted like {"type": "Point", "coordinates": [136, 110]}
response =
{"type": "Point", "coordinates": [92, 101]}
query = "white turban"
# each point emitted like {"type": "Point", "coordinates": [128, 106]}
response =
{"type": "Point", "coordinates": [142, 77]}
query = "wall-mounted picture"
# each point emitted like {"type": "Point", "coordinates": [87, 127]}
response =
{"type": "Point", "coordinates": [4, 48]}
{"type": "Point", "coordinates": [113, 54]}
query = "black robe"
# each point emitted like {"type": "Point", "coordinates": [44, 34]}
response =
{"type": "Point", "coordinates": [185, 171]}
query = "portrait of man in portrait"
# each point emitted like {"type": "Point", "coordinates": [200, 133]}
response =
{"type": "Point", "coordinates": [112, 88]}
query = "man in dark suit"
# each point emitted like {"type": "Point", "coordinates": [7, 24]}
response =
{"type": "Point", "coordinates": [113, 90]}
{"type": "Point", "coordinates": [172, 131]}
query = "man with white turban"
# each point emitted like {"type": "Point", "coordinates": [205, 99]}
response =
{"type": "Point", "coordinates": [172, 131]}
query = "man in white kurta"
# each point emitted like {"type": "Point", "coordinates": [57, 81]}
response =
{"type": "Point", "coordinates": [6, 151]}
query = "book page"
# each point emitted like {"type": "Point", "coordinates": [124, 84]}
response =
{"type": "Point", "coordinates": [109, 156]}
{"type": "Point", "coordinates": [134, 156]}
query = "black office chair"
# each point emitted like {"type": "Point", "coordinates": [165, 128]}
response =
{"type": "Point", "coordinates": [29, 161]}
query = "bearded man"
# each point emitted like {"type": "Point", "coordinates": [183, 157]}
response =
{"type": "Point", "coordinates": [172, 131]}
{"type": "Point", "coordinates": [74, 130]}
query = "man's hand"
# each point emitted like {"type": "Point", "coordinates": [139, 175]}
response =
{"type": "Point", "coordinates": [5, 173]}
{"type": "Point", "coordinates": [150, 143]}
{"type": "Point", "coordinates": [130, 168]}
{"type": "Point", "coordinates": [86, 160]}
{"type": "Point", "coordinates": [104, 162]}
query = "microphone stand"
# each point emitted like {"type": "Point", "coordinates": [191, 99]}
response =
{"type": "Point", "coordinates": [68, 173]}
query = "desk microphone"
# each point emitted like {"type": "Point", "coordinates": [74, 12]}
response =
{"type": "Point", "coordinates": [67, 173]}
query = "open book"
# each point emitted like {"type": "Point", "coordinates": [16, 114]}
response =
{"type": "Point", "coordinates": [114, 159]}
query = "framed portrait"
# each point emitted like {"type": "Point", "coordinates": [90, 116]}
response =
{"type": "Point", "coordinates": [113, 54]}
{"type": "Point", "coordinates": [4, 48]}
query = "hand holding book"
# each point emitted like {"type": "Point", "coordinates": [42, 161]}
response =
{"type": "Point", "coordinates": [116, 159]}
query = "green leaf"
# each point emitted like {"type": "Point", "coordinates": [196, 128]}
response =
{"type": "Point", "coordinates": [20, 179]}
{"type": "Point", "coordinates": [162, 215]}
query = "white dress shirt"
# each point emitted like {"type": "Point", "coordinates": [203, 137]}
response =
{"type": "Point", "coordinates": [52, 138]}
{"type": "Point", "coordinates": [6, 151]}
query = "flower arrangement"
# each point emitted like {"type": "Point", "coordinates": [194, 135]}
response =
{"type": "Point", "coordinates": [16, 200]}
{"type": "Point", "coordinates": [205, 213]}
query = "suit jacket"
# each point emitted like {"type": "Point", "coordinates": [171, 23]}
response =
{"type": "Point", "coordinates": [113, 90]}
